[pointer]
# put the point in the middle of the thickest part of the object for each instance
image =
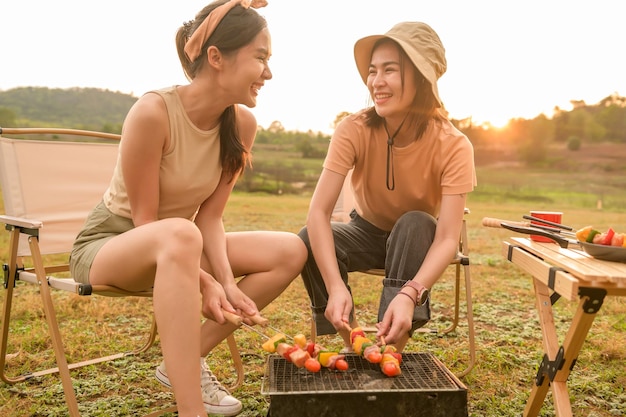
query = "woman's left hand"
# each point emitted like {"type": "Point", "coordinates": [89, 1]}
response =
{"type": "Point", "coordinates": [397, 320]}
{"type": "Point", "coordinates": [243, 304]}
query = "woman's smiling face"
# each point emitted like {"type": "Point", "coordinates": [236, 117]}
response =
{"type": "Point", "coordinates": [391, 80]}
{"type": "Point", "coordinates": [249, 69]}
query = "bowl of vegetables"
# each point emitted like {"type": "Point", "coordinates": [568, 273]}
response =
{"type": "Point", "coordinates": [607, 246]}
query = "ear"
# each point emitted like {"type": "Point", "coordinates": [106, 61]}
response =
{"type": "Point", "coordinates": [214, 56]}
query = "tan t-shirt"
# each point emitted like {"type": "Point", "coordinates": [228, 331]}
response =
{"type": "Point", "coordinates": [440, 162]}
{"type": "Point", "coordinates": [190, 168]}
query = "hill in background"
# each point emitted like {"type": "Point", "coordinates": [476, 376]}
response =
{"type": "Point", "coordinates": [81, 108]}
{"type": "Point", "coordinates": [105, 110]}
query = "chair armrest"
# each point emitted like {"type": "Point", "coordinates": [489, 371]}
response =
{"type": "Point", "coordinates": [21, 222]}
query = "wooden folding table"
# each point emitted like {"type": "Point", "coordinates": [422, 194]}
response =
{"type": "Point", "coordinates": [571, 274]}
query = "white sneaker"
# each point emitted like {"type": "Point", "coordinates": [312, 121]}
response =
{"type": "Point", "coordinates": [217, 399]}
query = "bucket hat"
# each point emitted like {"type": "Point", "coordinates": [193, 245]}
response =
{"type": "Point", "coordinates": [418, 40]}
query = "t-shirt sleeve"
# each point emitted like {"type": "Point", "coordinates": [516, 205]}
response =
{"type": "Point", "coordinates": [342, 149]}
{"type": "Point", "coordinates": [459, 175]}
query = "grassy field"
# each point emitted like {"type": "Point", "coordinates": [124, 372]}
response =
{"type": "Point", "coordinates": [507, 327]}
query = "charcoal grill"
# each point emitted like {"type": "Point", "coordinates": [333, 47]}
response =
{"type": "Point", "coordinates": [424, 388]}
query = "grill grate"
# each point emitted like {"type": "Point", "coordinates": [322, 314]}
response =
{"type": "Point", "coordinates": [420, 372]}
{"type": "Point", "coordinates": [425, 388]}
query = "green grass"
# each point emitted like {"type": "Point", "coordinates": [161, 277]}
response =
{"type": "Point", "coordinates": [507, 327]}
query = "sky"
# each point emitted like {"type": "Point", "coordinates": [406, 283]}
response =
{"type": "Point", "coordinates": [506, 58]}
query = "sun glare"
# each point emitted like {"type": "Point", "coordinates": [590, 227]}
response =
{"type": "Point", "coordinates": [497, 121]}
{"type": "Point", "coordinates": [487, 123]}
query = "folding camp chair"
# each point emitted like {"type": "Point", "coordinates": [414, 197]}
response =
{"type": "Point", "coordinates": [48, 188]}
{"type": "Point", "coordinates": [461, 262]}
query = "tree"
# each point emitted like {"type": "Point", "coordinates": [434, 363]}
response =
{"type": "Point", "coordinates": [573, 143]}
{"type": "Point", "coordinates": [7, 117]}
{"type": "Point", "coordinates": [339, 118]}
{"type": "Point", "coordinates": [532, 138]}
{"type": "Point", "coordinates": [276, 127]}
{"type": "Point", "coordinates": [613, 118]}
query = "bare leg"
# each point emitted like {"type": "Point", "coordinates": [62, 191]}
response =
{"type": "Point", "coordinates": [269, 262]}
{"type": "Point", "coordinates": [164, 255]}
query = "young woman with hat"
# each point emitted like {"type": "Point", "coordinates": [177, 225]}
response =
{"type": "Point", "coordinates": [160, 224]}
{"type": "Point", "coordinates": [411, 172]}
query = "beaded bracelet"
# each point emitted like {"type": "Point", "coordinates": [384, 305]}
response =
{"type": "Point", "coordinates": [411, 298]}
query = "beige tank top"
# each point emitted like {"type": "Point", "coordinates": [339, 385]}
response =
{"type": "Point", "coordinates": [190, 168]}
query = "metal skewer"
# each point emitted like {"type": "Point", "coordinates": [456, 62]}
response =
{"type": "Point", "coordinates": [492, 222]}
{"type": "Point", "coordinates": [537, 219]}
{"type": "Point", "coordinates": [247, 326]}
{"type": "Point", "coordinates": [553, 230]}
{"type": "Point", "coordinates": [256, 319]}
{"type": "Point", "coordinates": [257, 331]}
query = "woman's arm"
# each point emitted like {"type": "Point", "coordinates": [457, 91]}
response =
{"type": "Point", "coordinates": [144, 137]}
{"type": "Point", "coordinates": [320, 234]}
{"type": "Point", "coordinates": [209, 221]}
{"type": "Point", "coordinates": [446, 242]}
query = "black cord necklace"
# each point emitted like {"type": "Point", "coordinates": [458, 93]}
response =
{"type": "Point", "coordinates": [390, 178]}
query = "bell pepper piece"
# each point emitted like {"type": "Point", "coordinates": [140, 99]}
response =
{"type": "Point", "coordinates": [270, 344]}
{"type": "Point", "coordinates": [357, 331]}
{"type": "Point", "coordinates": [608, 237]}
{"type": "Point", "coordinates": [590, 236]}
{"type": "Point", "coordinates": [357, 344]}
{"type": "Point", "coordinates": [583, 233]}
{"type": "Point", "coordinates": [300, 340]}
{"type": "Point", "coordinates": [325, 356]}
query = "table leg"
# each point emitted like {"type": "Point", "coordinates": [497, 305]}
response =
{"type": "Point", "coordinates": [559, 361]}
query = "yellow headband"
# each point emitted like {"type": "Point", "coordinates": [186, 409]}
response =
{"type": "Point", "coordinates": [193, 47]}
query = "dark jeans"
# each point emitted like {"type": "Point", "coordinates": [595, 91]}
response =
{"type": "Point", "coordinates": [359, 245]}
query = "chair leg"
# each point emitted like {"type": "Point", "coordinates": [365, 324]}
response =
{"type": "Point", "coordinates": [55, 334]}
{"type": "Point", "coordinates": [150, 341]}
{"type": "Point", "coordinates": [470, 323]}
{"type": "Point", "coordinates": [313, 330]}
{"type": "Point", "coordinates": [457, 298]}
{"type": "Point", "coordinates": [10, 271]}
{"type": "Point", "coordinates": [237, 362]}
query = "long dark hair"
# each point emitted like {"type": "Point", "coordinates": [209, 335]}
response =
{"type": "Point", "coordinates": [237, 29]}
{"type": "Point", "coordinates": [425, 106]}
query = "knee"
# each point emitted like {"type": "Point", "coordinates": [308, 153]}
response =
{"type": "Point", "coordinates": [304, 236]}
{"type": "Point", "coordinates": [413, 228]}
{"type": "Point", "coordinates": [417, 217]}
{"type": "Point", "coordinates": [181, 239]}
{"type": "Point", "coordinates": [297, 251]}
{"type": "Point", "coordinates": [416, 220]}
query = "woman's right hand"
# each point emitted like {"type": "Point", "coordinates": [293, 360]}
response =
{"type": "Point", "coordinates": [339, 307]}
{"type": "Point", "coordinates": [214, 299]}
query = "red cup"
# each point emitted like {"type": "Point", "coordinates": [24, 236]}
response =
{"type": "Point", "coordinates": [551, 216]}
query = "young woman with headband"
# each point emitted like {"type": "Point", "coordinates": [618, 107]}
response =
{"type": "Point", "coordinates": [159, 224]}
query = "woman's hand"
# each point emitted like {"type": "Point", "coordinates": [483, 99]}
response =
{"type": "Point", "coordinates": [339, 307]}
{"type": "Point", "coordinates": [214, 299]}
{"type": "Point", "coordinates": [244, 306]}
{"type": "Point", "coordinates": [398, 318]}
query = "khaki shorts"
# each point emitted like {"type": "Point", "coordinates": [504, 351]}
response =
{"type": "Point", "coordinates": [101, 225]}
